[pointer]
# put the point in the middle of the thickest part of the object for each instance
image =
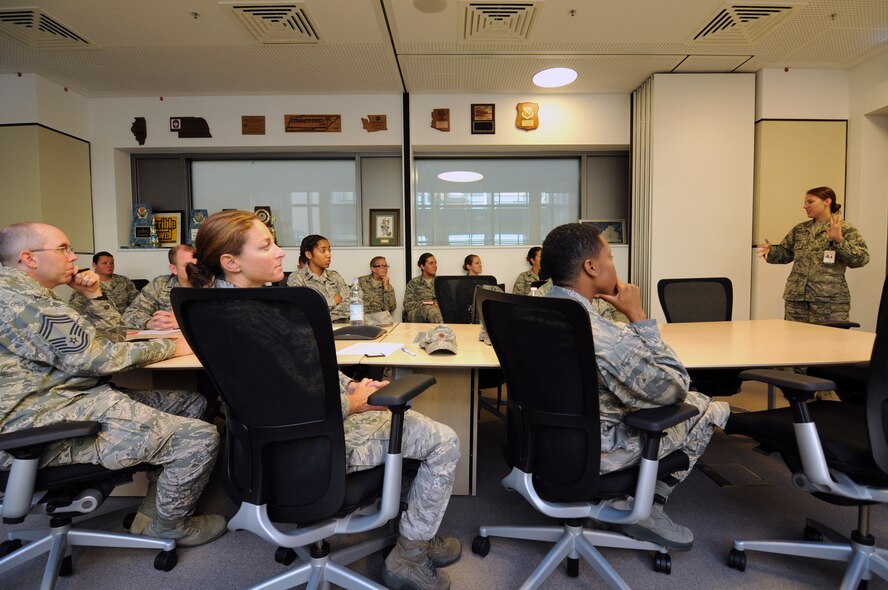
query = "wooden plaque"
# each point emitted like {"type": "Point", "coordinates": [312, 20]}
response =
{"type": "Point", "coordinates": [313, 123]}
{"type": "Point", "coordinates": [253, 125]}
{"type": "Point", "coordinates": [483, 118]}
{"type": "Point", "coordinates": [373, 123]}
{"type": "Point", "coordinates": [441, 119]}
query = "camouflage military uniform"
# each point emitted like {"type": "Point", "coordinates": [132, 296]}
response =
{"type": "Point", "coordinates": [433, 443]}
{"type": "Point", "coordinates": [522, 283]}
{"type": "Point", "coordinates": [155, 296]}
{"type": "Point", "coordinates": [637, 370]}
{"type": "Point", "coordinates": [119, 290]}
{"type": "Point", "coordinates": [601, 307]}
{"type": "Point", "coordinates": [52, 364]}
{"type": "Point", "coordinates": [328, 284]}
{"type": "Point", "coordinates": [377, 301]}
{"type": "Point", "coordinates": [417, 291]}
{"type": "Point", "coordinates": [815, 290]}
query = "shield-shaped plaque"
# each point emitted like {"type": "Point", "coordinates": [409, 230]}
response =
{"type": "Point", "coordinates": [528, 116]}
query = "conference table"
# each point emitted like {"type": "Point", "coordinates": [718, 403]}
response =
{"type": "Point", "coordinates": [453, 400]}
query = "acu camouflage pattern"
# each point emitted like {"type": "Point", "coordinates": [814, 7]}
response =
{"type": "Point", "coordinates": [53, 367]}
{"type": "Point", "coordinates": [155, 296]}
{"type": "Point", "coordinates": [601, 307]}
{"type": "Point", "coordinates": [433, 443]}
{"type": "Point", "coordinates": [328, 284]}
{"type": "Point", "coordinates": [812, 280]}
{"type": "Point", "coordinates": [120, 291]}
{"type": "Point", "coordinates": [417, 291]}
{"type": "Point", "coordinates": [522, 283]}
{"type": "Point", "coordinates": [637, 370]}
{"type": "Point", "coordinates": [376, 298]}
{"type": "Point", "coordinates": [811, 312]}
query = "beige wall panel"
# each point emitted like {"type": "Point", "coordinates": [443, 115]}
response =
{"type": "Point", "coordinates": [19, 175]}
{"type": "Point", "coordinates": [65, 186]}
{"type": "Point", "coordinates": [790, 158]}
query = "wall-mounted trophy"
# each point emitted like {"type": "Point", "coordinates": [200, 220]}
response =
{"type": "Point", "coordinates": [140, 235]}
{"type": "Point", "coordinates": [263, 212]}
{"type": "Point", "coordinates": [197, 218]}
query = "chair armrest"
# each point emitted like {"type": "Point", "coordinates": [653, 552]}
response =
{"type": "Point", "coordinates": [659, 419]}
{"type": "Point", "coordinates": [399, 392]}
{"type": "Point", "coordinates": [43, 435]}
{"type": "Point", "coordinates": [788, 380]}
{"type": "Point", "coordinates": [838, 324]}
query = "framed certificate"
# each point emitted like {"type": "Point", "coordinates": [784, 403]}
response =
{"type": "Point", "coordinates": [384, 227]}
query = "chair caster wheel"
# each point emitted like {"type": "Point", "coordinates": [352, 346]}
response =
{"type": "Point", "coordinates": [128, 520]}
{"type": "Point", "coordinates": [663, 563]}
{"type": "Point", "coordinates": [812, 534]}
{"type": "Point", "coordinates": [573, 567]}
{"type": "Point", "coordinates": [166, 560]}
{"type": "Point", "coordinates": [481, 546]}
{"type": "Point", "coordinates": [737, 560]}
{"type": "Point", "coordinates": [9, 547]}
{"type": "Point", "coordinates": [66, 568]}
{"type": "Point", "coordinates": [284, 555]}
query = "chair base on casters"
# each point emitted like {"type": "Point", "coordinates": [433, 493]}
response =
{"type": "Point", "coordinates": [572, 541]}
{"type": "Point", "coordinates": [325, 568]}
{"type": "Point", "coordinates": [860, 551]}
{"type": "Point", "coordinates": [62, 537]}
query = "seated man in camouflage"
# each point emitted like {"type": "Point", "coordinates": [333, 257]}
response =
{"type": "Point", "coordinates": [54, 362]}
{"type": "Point", "coordinates": [636, 370]}
{"type": "Point", "coordinates": [151, 309]}
{"type": "Point", "coordinates": [119, 290]}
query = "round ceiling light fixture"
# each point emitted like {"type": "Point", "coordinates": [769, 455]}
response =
{"type": "Point", "coordinates": [460, 176]}
{"type": "Point", "coordinates": [554, 77]}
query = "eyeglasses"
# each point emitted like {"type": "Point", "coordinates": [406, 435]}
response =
{"type": "Point", "coordinates": [67, 249]}
{"type": "Point", "coordinates": [380, 266]}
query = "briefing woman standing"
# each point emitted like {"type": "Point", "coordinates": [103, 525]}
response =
{"type": "Point", "coordinates": [820, 250]}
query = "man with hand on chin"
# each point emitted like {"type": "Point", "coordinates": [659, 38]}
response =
{"type": "Point", "coordinates": [152, 309]}
{"type": "Point", "coordinates": [55, 361]}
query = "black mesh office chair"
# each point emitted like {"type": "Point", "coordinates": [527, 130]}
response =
{"type": "Point", "coordinates": [553, 437]}
{"type": "Point", "coordinates": [455, 295]}
{"type": "Point", "coordinates": [62, 492]}
{"type": "Point", "coordinates": [271, 355]}
{"type": "Point", "coordinates": [851, 378]}
{"type": "Point", "coordinates": [701, 300]}
{"type": "Point", "coordinates": [140, 283]}
{"type": "Point", "coordinates": [837, 451]}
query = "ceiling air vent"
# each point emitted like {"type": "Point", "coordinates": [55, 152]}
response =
{"type": "Point", "coordinates": [498, 21]}
{"type": "Point", "coordinates": [38, 30]}
{"type": "Point", "coordinates": [277, 22]}
{"type": "Point", "coordinates": [743, 24]}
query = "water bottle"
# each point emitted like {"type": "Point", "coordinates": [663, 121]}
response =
{"type": "Point", "coordinates": [356, 305]}
{"type": "Point", "coordinates": [535, 292]}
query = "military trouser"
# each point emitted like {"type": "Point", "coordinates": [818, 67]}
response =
{"type": "Point", "coordinates": [812, 312]}
{"type": "Point", "coordinates": [428, 314]}
{"type": "Point", "coordinates": [433, 443]}
{"type": "Point", "coordinates": [156, 427]}
{"type": "Point", "coordinates": [691, 437]}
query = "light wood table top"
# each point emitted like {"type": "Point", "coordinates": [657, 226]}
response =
{"type": "Point", "coordinates": [765, 343]}
{"type": "Point", "coordinates": [471, 352]}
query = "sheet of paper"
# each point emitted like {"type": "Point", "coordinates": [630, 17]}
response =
{"type": "Point", "coordinates": [371, 348]}
{"type": "Point", "coordinates": [149, 334]}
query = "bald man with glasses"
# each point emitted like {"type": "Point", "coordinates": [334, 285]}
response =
{"type": "Point", "coordinates": [379, 296]}
{"type": "Point", "coordinates": [55, 368]}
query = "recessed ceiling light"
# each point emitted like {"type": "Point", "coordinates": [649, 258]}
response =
{"type": "Point", "coordinates": [460, 176]}
{"type": "Point", "coordinates": [554, 77]}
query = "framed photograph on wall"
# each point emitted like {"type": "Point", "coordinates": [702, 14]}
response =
{"type": "Point", "coordinates": [613, 230]}
{"type": "Point", "coordinates": [385, 227]}
{"type": "Point", "coordinates": [168, 225]}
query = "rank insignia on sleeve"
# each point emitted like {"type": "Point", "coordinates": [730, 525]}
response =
{"type": "Point", "coordinates": [63, 334]}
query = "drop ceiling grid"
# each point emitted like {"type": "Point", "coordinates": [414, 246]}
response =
{"type": "Point", "coordinates": [844, 46]}
{"type": "Point", "coordinates": [711, 63]}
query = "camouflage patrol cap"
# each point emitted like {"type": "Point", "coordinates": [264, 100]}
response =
{"type": "Point", "coordinates": [440, 337]}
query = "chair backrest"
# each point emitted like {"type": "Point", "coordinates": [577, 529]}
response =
{"type": "Point", "coordinates": [546, 352]}
{"type": "Point", "coordinates": [696, 300]}
{"type": "Point", "coordinates": [877, 387]}
{"type": "Point", "coordinates": [455, 295]}
{"type": "Point", "coordinates": [271, 355]}
{"type": "Point", "coordinates": [140, 283]}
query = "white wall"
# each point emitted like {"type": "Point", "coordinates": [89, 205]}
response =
{"type": "Point", "coordinates": [802, 94]}
{"type": "Point", "coordinates": [702, 137]}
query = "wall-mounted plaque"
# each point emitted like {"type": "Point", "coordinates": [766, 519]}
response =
{"type": "Point", "coordinates": [528, 117]}
{"type": "Point", "coordinates": [190, 127]}
{"type": "Point", "coordinates": [139, 129]}
{"type": "Point", "coordinates": [373, 123]}
{"type": "Point", "coordinates": [252, 124]}
{"type": "Point", "coordinates": [441, 119]}
{"type": "Point", "coordinates": [140, 235]}
{"type": "Point", "coordinates": [312, 123]}
{"type": "Point", "coordinates": [197, 218]}
{"type": "Point", "coordinates": [483, 118]}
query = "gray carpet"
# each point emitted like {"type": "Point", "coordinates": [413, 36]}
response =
{"type": "Point", "coordinates": [716, 514]}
